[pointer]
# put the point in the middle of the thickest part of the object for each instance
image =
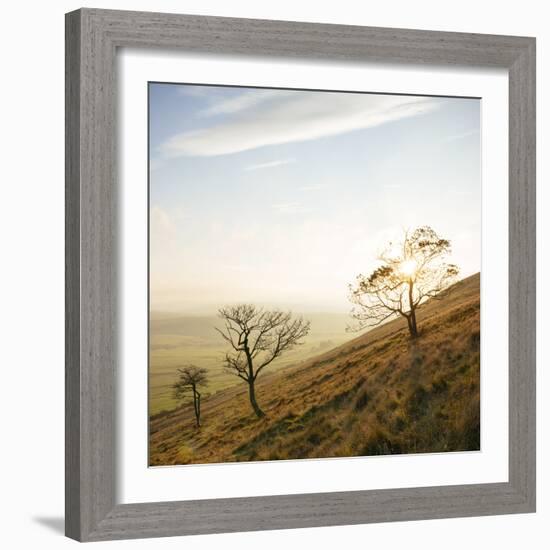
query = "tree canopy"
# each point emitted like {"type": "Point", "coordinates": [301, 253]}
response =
{"type": "Point", "coordinates": [409, 272]}
{"type": "Point", "coordinates": [190, 379]}
{"type": "Point", "coordinates": [257, 337]}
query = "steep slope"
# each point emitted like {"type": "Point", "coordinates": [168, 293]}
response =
{"type": "Point", "coordinates": [380, 393]}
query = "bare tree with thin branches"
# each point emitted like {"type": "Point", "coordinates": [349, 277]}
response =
{"type": "Point", "coordinates": [189, 380]}
{"type": "Point", "coordinates": [257, 337]}
{"type": "Point", "coordinates": [410, 272]}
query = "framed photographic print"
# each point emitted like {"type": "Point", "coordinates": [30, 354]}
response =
{"type": "Point", "coordinates": [300, 275]}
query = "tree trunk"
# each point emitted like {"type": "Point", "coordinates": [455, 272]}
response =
{"type": "Point", "coordinates": [251, 380]}
{"type": "Point", "coordinates": [198, 410]}
{"type": "Point", "coordinates": [197, 407]}
{"type": "Point", "coordinates": [413, 327]}
{"type": "Point", "coordinates": [411, 317]}
{"type": "Point", "coordinates": [253, 402]}
{"type": "Point", "coordinates": [411, 323]}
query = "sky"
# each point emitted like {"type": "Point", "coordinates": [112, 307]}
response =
{"type": "Point", "coordinates": [282, 197]}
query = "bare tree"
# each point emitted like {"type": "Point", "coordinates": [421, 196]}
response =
{"type": "Point", "coordinates": [257, 337]}
{"type": "Point", "coordinates": [410, 272]}
{"type": "Point", "coordinates": [189, 380]}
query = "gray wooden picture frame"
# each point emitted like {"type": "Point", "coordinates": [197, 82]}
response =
{"type": "Point", "coordinates": [92, 39]}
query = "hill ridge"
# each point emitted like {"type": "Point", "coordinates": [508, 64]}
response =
{"type": "Point", "coordinates": [380, 393]}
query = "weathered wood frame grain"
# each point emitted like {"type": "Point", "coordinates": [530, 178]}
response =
{"type": "Point", "coordinates": [92, 39]}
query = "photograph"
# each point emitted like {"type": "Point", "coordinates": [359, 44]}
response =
{"type": "Point", "coordinates": [314, 274]}
{"type": "Point", "coordinates": [273, 266]}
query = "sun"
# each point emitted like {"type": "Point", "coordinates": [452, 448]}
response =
{"type": "Point", "coordinates": [408, 268]}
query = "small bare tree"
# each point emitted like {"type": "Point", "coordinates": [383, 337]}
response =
{"type": "Point", "coordinates": [189, 380]}
{"type": "Point", "coordinates": [410, 272]}
{"type": "Point", "coordinates": [257, 337]}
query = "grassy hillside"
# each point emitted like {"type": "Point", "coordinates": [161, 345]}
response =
{"type": "Point", "coordinates": [380, 393]}
{"type": "Point", "coordinates": [176, 340]}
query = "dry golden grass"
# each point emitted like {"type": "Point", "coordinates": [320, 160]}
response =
{"type": "Point", "coordinates": [380, 393]}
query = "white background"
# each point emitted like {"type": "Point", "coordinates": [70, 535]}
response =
{"type": "Point", "coordinates": [32, 244]}
{"type": "Point", "coordinates": [136, 482]}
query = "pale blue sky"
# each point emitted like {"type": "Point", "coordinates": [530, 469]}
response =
{"type": "Point", "coordinates": [282, 197]}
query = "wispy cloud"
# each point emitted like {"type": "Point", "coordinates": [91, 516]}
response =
{"type": "Point", "coordinates": [241, 102]}
{"type": "Point", "coordinates": [294, 117]}
{"type": "Point", "coordinates": [271, 164]}
{"type": "Point", "coordinates": [314, 187]}
{"type": "Point", "coordinates": [462, 135]}
{"type": "Point", "coordinates": [291, 208]}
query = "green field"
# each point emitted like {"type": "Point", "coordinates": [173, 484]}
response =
{"type": "Point", "coordinates": [178, 340]}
